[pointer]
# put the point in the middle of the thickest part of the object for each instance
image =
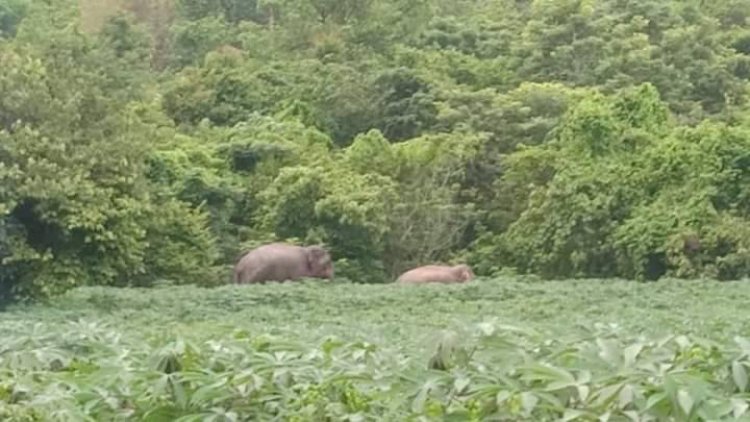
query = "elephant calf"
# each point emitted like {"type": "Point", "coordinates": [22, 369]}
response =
{"type": "Point", "coordinates": [281, 262]}
{"type": "Point", "coordinates": [438, 274]}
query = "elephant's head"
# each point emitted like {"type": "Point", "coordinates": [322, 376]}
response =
{"type": "Point", "coordinates": [319, 262]}
{"type": "Point", "coordinates": [464, 273]}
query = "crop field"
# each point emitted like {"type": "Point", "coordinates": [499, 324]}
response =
{"type": "Point", "coordinates": [502, 349]}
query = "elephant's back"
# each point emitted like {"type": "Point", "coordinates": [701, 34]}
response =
{"type": "Point", "coordinates": [269, 252]}
{"type": "Point", "coordinates": [425, 274]}
{"type": "Point", "coordinates": [268, 262]}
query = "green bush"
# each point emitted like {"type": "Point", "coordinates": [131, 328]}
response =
{"type": "Point", "coordinates": [619, 190]}
{"type": "Point", "coordinates": [75, 205]}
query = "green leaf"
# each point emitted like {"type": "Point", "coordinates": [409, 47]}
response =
{"type": "Point", "coordinates": [607, 394]}
{"type": "Point", "coordinates": [739, 374]}
{"type": "Point", "coordinates": [457, 416]}
{"type": "Point", "coordinates": [627, 396]}
{"type": "Point", "coordinates": [461, 383]}
{"type": "Point", "coordinates": [655, 399]}
{"type": "Point", "coordinates": [161, 414]}
{"type": "Point", "coordinates": [633, 415]}
{"type": "Point", "coordinates": [545, 372]}
{"type": "Point", "coordinates": [739, 407]}
{"type": "Point", "coordinates": [744, 344]}
{"type": "Point", "coordinates": [529, 402]}
{"type": "Point", "coordinates": [685, 401]}
{"type": "Point", "coordinates": [631, 353]}
{"type": "Point", "coordinates": [179, 392]}
{"type": "Point", "coordinates": [502, 396]}
{"type": "Point", "coordinates": [609, 351]}
{"type": "Point", "coordinates": [572, 414]}
{"type": "Point", "coordinates": [584, 377]}
{"type": "Point", "coordinates": [720, 407]}
{"type": "Point", "coordinates": [583, 392]}
{"type": "Point", "coordinates": [560, 385]}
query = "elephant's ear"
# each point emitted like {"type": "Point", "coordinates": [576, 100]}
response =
{"type": "Point", "coordinates": [313, 254]}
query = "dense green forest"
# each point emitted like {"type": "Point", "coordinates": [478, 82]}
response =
{"type": "Point", "coordinates": [152, 141]}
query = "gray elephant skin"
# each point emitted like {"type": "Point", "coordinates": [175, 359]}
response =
{"type": "Point", "coordinates": [437, 274]}
{"type": "Point", "coordinates": [282, 262]}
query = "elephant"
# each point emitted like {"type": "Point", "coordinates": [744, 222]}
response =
{"type": "Point", "coordinates": [282, 262]}
{"type": "Point", "coordinates": [438, 273]}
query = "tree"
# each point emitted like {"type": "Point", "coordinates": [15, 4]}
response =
{"type": "Point", "coordinates": [76, 207]}
{"type": "Point", "coordinates": [624, 192]}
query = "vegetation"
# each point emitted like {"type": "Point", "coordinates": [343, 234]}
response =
{"type": "Point", "coordinates": [503, 349]}
{"type": "Point", "coordinates": [144, 144]}
{"type": "Point", "coordinates": [147, 141]}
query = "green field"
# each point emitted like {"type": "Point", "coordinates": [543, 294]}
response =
{"type": "Point", "coordinates": [489, 350]}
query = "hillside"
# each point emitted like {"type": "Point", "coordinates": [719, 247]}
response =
{"type": "Point", "coordinates": [151, 141]}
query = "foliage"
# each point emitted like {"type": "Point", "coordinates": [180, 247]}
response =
{"type": "Point", "coordinates": [76, 207]}
{"type": "Point", "coordinates": [562, 138]}
{"type": "Point", "coordinates": [624, 189]}
{"type": "Point", "coordinates": [466, 352]}
{"type": "Point", "coordinates": [11, 14]}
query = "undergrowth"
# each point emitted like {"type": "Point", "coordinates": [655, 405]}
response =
{"type": "Point", "coordinates": [489, 350]}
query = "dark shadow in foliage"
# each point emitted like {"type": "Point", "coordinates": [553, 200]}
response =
{"type": "Point", "coordinates": [406, 104]}
{"type": "Point", "coordinates": [448, 34]}
{"type": "Point", "coordinates": [742, 44]}
{"type": "Point", "coordinates": [245, 158]}
{"type": "Point", "coordinates": [23, 223]}
{"type": "Point", "coordinates": [40, 235]}
{"type": "Point", "coordinates": [11, 14]}
{"type": "Point", "coordinates": [655, 267]}
{"type": "Point", "coordinates": [232, 11]}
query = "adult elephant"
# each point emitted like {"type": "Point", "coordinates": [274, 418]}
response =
{"type": "Point", "coordinates": [281, 262]}
{"type": "Point", "coordinates": [437, 274]}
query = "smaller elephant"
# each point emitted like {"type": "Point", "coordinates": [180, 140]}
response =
{"type": "Point", "coordinates": [438, 274]}
{"type": "Point", "coordinates": [281, 262]}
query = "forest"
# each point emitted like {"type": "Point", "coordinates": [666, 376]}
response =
{"type": "Point", "coordinates": [152, 142]}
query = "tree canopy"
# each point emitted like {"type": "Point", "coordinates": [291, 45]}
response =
{"type": "Point", "coordinates": [155, 141]}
